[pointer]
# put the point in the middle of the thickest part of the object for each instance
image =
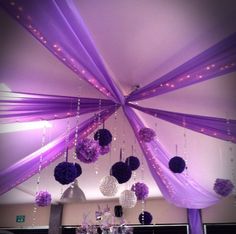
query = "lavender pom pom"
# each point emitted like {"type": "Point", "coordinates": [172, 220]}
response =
{"type": "Point", "coordinates": [223, 187]}
{"type": "Point", "coordinates": [65, 172]}
{"type": "Point", "coordinates": [146, 134]}
{"type": "Point", "coordinates": [141, 190]}
{"type": "Point", "coordinates": [43, 198]}
{"type": "Point", "coordinates": [104, 149]}
{"type": "Point", "coordinates": [87, 150]}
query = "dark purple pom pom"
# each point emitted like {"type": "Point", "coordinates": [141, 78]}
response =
{"type": "Point", "coordinates": [177, 164]}
{"type": "Point", "coordinates": [145, 218]}
{"type": "Point", "coordinates": [103, 136]}
{"type": "Point", "coordinates": [121, 172]}
{"type": "Point", "coordinates": [78, 169]}
{"type": "Point", "coordinates": [132, 162]}
{"type": "Point", "coordinates": [223, 187]}
{"type": "Point", "coordinates": [65, 172]}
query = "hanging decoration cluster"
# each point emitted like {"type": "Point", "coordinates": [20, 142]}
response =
{"type": "Point", "coordinates": [43, 198]}
{"type": "Point", "coordinates": [223, 187]}
{"type": "Point", "coordinates": [146, 134]}
{"type": "Point", "coordinates": [141, 190]}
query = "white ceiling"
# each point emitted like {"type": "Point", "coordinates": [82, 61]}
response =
{"type": "Point", "coordinates": [139, 41]}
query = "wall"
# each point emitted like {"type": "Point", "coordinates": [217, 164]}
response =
{"type": "Point", "coordinates": [163, 213]}
{"type": "Point", "coordinates": [8, 215]}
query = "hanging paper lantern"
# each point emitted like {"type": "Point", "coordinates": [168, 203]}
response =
{"type": "Point", "coordinates": [65, 172]}
{"type": "Point", "coordinates": [78, 169]}
{"type": "Point", "coordinates": [121, 172]}
{"type": "Point", "coordinates": [177, 164]}
{"type": "Point", "coordinates": [145, 218]}
{"type": "Point", "coordinates": [109, 186]}
{"type": "Point", "coordinates": [104, 149]}
{"type": "Point", "coordinates": [146, 134]}
{"type": "Point", "coordinates": [223, 187]}
{"type": "Point", "coordinates": [132, 162]}
{"type": "Point", "coordinates": [43, 198]}
{"type": "Point", "coordinates": [103, 136]}
{"type": "Point", "coordinates": [128, 199]}
{"type": "Point", "coordinates": [141, 190]}
{"type": "Point", "coordinates": [87, 150]}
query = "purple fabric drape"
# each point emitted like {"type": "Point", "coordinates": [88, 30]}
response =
{"type": "Point", "coordinates": [28, 166]}
{"type": "Point", "coordinates": [216, 61]}
{"type": "Point", "coordinates": [178, 189]}
{"type": "Point", "coordinates": [195, 221]}
{"type": "Point", "coordinates": [59, 27]}
{"type": "Point", "coordinates": [215, 127]}
{"type": "Point", "coordinates": [23, 107]}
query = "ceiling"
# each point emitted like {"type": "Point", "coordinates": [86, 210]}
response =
{"type": "Point", "coordinates": [139, 41]}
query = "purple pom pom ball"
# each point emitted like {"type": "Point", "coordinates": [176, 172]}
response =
{"type": "Point", "coordinates": [104, 149]}
{"type": "Point", "coordinates": [78, 169]}
{"type": "Point", "coordinates": [177, 164]}
{"type": "Point", "coordinates": [121, 172]}
{"type": "Point", "coordinates": [43, 198]}
{"type": "Point", "coordinates": [65, 172]}
{"type": "Point", "coordinates": [145, 218]}
{"type": "Point", "coordinates": [223, 187]}
{"type": "Point", "coordinates": [87, 150]}
{"type": "Point", "coordinates": [141, 190]}
{"type": "Point", "coordinates": [146, 134]}
{"type": "Point", "coordinates": [132, 162]}
{"type": "Point", "coordinates": [103, 136]}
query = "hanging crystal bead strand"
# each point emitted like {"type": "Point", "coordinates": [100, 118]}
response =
{"type": "Point", "coordinates": [96, 167]}
{"type": "Point", "coordinates": [232, 161]}
{"type": "Point", "coordinates": [76, 128]}
{"type": "Point", "coordinates": [142, 179]}
{"type": "Point", "coordinates": [39, 174]}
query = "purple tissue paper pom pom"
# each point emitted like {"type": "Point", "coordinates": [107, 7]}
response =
{"type": "Point", "coordinates": [103, 136]}
{"type": "Point", "coordinates": [223, 187]}
{"type": "Point", "coordinates": [87, 150]}
{"type": "Point", "coordinates": [132, 162]}
{"type": "Point", "coordinates": [177, 164]}
{"type": "Point", "coordinates": [65, 172]}
{"type": "Point", "coordinates": [78, 169]}
{"type": "Point", "coordinates": [145, 218]}
{"type": "Point", "coordinates": [43, 198]}
{"type": "Point", "coordinates": [141, 190]}
{"type": "Point", "coordinates": [146, 134]}
{"type": "Point", "coordinates": [104, 149]}
{"type": "Point", "coordinates": [121, 172]}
